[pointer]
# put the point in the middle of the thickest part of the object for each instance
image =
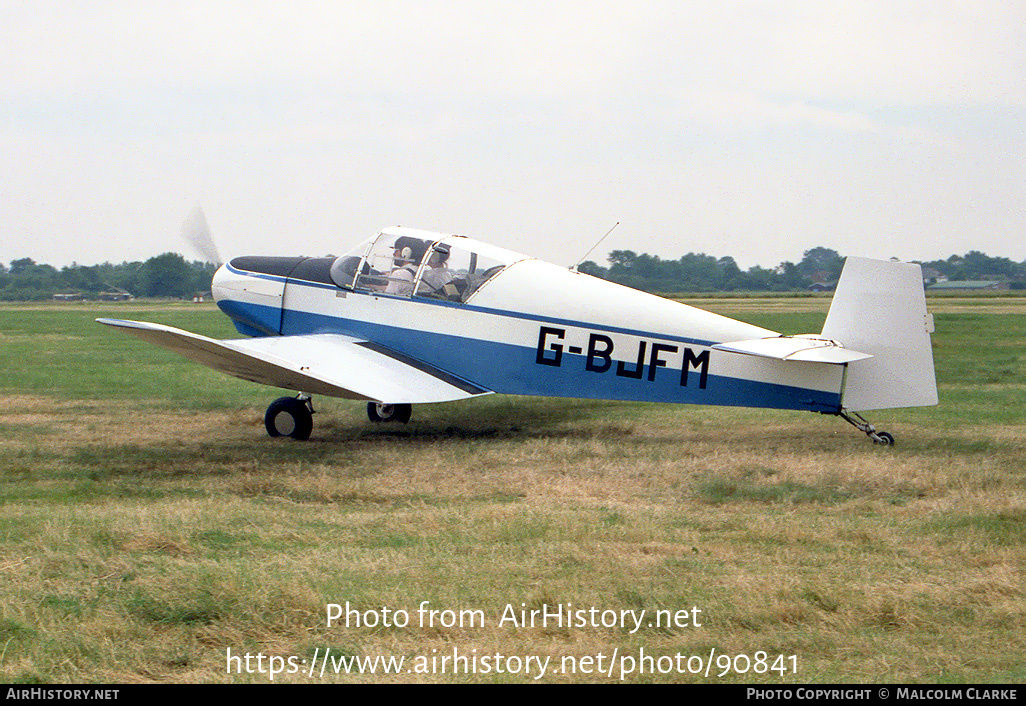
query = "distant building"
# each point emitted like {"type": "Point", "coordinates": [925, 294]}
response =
{"type": "Point", "coordinates": [68, 297]}
{"type": "Point", "coordinates": [115, 296]}
{"type": "Point", "coordinates": [978, 285]}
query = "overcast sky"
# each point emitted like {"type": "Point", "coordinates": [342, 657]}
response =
{"type": "Point", "coordinates": [751, 129]}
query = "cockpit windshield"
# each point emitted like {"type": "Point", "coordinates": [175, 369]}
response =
{"type": "Point", "coordinates": [407, 262]}
{"type": "Point", "coordinates": [391, 265]}
{"type": "Point", "coordinates": [454, 273]}
{"type": "Point", "coordinates": [343, 270]}
{"type": "Point", "coordinates": [387, 263]}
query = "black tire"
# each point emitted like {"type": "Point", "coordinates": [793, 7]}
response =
{"type": "Point", "coordinates": [885, 439]}
{"type": "Point", "coordinates": [378, 412]}
{"type": "Point", "coordinates": [288, 416]}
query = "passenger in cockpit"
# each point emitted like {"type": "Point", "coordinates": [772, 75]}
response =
{"type": "Point", "coordinates": [437, 280]}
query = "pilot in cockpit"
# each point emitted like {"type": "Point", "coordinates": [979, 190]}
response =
{"type": "Point", "coordinates": [406, 256]}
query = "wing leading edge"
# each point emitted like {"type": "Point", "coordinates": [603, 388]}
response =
{"type": "Point", "coordinates": [323, 364]}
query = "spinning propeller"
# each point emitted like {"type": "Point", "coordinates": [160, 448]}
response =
{"type": "Point", "coordinates": [196, 233]}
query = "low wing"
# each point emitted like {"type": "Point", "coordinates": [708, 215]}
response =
{"type": "Point", "coordinates": [808, 349]}
{"type": "Point", "coordinates": [323, 364]}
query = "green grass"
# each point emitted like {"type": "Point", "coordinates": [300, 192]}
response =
{"type": "Point", "coordinates": [148, 524]}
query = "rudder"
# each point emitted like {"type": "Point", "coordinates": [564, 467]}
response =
{"type": "Point", "coordinates": [880, 308]}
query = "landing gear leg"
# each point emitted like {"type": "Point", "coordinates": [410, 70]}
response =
{"type": "Point", "coordinates": [860, 423]}
{"type": "Point", "coordinates": [290, 416]}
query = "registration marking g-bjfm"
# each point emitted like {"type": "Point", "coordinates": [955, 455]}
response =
{"type": "Point", "coordinates": [598, 356]}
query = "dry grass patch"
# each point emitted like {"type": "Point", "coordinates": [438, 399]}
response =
{"type": "Point", "coordinates": [139, 542]}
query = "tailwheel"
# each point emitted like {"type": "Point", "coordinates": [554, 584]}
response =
{"type": "Point", "coordinates": [881, 438]}
{"type": "Point", "coordinates": [884, 439]}
{"type": "Point", "coordinates": [290, 416]}
{"type": "Point", "coordinates": [379, 412]}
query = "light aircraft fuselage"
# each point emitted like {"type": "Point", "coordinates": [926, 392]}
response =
{"type": "Point", "coordinates": [414, 317]}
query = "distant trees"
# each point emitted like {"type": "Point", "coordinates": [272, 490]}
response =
{"type": "Point", "coordinates": [25, 279]}
{"type": "Point", "coordinates": [821, 265]}
{"type": "Point", "coordinates": [975, 265]}
{"type": "Point", "coordinates": [167, 275]}
{"type": "Point", "coordinates": [170, 275]}
{"type": "Point", "coordinates": [692, 272]}
{"type": "Point", "coordinates": [697, 272]}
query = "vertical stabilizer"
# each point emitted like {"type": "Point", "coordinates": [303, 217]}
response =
{"type": "Point", "coordinates": [880, 308]}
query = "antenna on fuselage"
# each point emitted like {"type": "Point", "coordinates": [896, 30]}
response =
{"type": "Point", "coordinates": [574, 268]}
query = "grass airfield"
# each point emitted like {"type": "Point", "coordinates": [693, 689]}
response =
{"type": "Point", "coordinates": [148, 525]}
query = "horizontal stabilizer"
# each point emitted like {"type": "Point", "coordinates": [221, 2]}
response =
{"type": "Point", "coordinates": [321, 364]}
{"type": "Point", "coordinates": [807, 349]}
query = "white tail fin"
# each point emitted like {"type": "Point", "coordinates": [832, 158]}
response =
{"type": "Point", "coordinates": [880, 308]}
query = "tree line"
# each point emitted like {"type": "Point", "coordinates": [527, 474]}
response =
{"type": "Point", "coordinates": [170, 275]}
{"type": "Point", "coordinates": [698, 272]}
{"type": "Point", "coordinates": [164, 276]}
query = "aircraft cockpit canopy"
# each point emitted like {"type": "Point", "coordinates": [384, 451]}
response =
{"type": "Point", "coordinates": [407, 262]}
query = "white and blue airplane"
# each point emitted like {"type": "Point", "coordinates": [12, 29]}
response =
{"type": "Point", "coordinates": [415, 317]}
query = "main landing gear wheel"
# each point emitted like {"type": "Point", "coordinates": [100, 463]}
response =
{"type": "Point", "coordinates": [290, 416]}
{"type": "Point", "coordinates": [378, 412]}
